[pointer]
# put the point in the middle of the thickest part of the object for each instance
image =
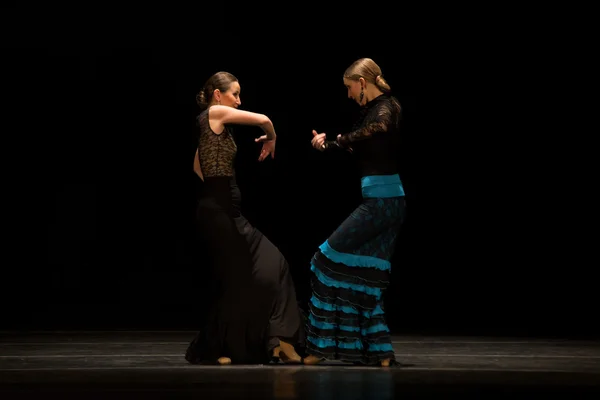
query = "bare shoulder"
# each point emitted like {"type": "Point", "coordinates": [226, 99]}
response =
{"type": "Point", "coordinates": [216, 112]}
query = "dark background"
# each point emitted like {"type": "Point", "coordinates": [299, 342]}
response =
{"type": "Point", "coordinates": [98, 122]}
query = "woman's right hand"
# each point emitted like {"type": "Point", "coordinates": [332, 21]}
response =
{"type": "Point", "coordinates": [318, 140]}
{"type": "Point", "coordinates": [268, 148]}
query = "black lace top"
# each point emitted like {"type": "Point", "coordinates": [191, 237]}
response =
{"type": "Point", "coordinates": [216, 153]}
{"type": "Point", "coordinates": [375, 136]}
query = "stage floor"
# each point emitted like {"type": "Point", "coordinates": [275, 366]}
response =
{"type": "Point", "coordinates": [127, 364]}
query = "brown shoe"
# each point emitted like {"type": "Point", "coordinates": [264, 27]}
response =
{"type": "Point", "coordinates": [288, 354]}
{"type": "Point", "coordinates": [224, 361]}
{"type": "Point", "coordinates": [312, 360]}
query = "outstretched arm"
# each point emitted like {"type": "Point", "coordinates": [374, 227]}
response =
{"type": "Point", "coordinates": [223, 115]}
{"type": "Point", "coordinates": [320, 142]}
{"type": "Point", "coordinates": [378, 120]}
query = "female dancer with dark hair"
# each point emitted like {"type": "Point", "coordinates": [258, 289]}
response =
{"type": "Point", "coordinates": [255, 315]}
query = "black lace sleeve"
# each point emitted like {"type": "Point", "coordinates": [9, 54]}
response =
{"type": "Point", "coordinates": [377, 120]}
{"type": "Point", "coordinates": [331, 144]}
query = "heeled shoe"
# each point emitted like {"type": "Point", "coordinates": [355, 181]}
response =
{"type": "Point", "coordinates": [224, 361]}
{"type": "Point", "coordinates": [311, 360]}
{"type": "Point", "coordinates": [287, 353]}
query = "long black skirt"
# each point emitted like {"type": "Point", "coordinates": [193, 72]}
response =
{"type": "Point", "coordinates": [254, 299]}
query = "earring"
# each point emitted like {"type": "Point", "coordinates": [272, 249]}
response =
{"type": "Point", "coordinates": [362, 94]}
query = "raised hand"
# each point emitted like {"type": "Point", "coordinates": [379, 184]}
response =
{"type": "Point", "coordinates": [318, 140]}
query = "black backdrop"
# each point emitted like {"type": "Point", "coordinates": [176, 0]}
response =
{"type": "Point", "coordinates": [99, 116]}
